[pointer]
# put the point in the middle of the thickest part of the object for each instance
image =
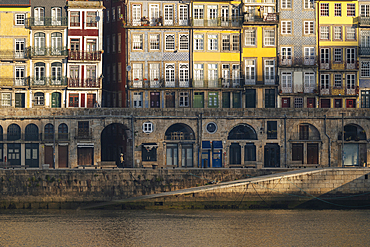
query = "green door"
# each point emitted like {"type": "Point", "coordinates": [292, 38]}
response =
{"type": "Point", "coordinates": [19, 100]}
{"type": "Point", "coordinates": [198, 100]}
{"type": "Point", "coordinates": [55, 100]}
{"type": "Point", "coordinates": [225, 100]}
{"type": "Point", "coordinates": [236, 100]}
{"type": "Point", "coordinates": [212, 100]}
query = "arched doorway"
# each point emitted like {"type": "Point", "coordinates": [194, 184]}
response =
{"type": "Point", "coordinates": [354, 148]}
{"type": "Point", "coordinates": [113, 143]}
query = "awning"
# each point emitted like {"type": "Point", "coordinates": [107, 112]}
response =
{"type": "Point", "coordinates": [206, 145]}
{"type": "Point", "coordinates": [85, 145]}
{"type": "Point", "coordinates": [217, 144]}
{"type": "Point", "coordinates": [150, 146]}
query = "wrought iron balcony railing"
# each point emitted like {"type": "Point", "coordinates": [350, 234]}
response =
{"type": "Point", "coordinates": [49, 137]}
{"type": "Point", "coordinates": [83, 134]}
{"type": "Point", "coordinates": [236, 21]}
{"type": "Point", "coordinates": [288, 61]}
{"type": "Point", "coordinates": [364, 51]}
{"type": "Point", "coordinates": [47, 22]}
{"type": "Point", "coordinates": [10, 82]}
{"type": "Point", "coordinates": [85, 55]}
{"type": "Point", "coordinates": [331, 90]}
{"type": "Point", "coordinates": [47, 51]}
{"type": "Point", "coordinates": [48, 81]}
{"type": "Point", "coordinates": [13, 55]}
{"type": "Point", "coordinates": [272, 18]}
{"type": "Point", "coordinates": [86, 83]}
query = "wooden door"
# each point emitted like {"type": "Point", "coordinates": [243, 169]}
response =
{"type": "Point", "coordinates": [170, 100]}
{"type": "Point", "coordinates": [272, 155]}
{"type": "Point", "coordinates": [82, 100]}
{"type": "Point", "coordinates": [48, 156]}
{"type": "Point", "coordinates": [285, 102]}
{"type": "Point", "coordinates": [310, 102]}
{"type": "Point", "coordinates": [297, 152]}
{"type": "Point", "coordinates": [91, 99]}
{"type": "Point", "coordinates": [350, 103]}
{"type": "Point", "coordinates": [85, 156]}
{"type": "Point", "coordinates": [312, 153]}
{"type": "Point", "coordinates": [62, 156]}
{"type": "Point", "coordinates": [154, 100]}
{"type": "Point", "coordinates": [32, 154]}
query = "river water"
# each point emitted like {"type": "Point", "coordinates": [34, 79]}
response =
{"type": "Point", "coordinates": [185, 228]}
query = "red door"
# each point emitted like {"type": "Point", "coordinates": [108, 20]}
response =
{"type": "Point", "coordinates": [285, 102]}
{"type": "Point", "coordinates": [312, 153]}
{"type": "Point", "coordinates": [91, 99]}
{"type": "Point", "coordinates": [48, 156]}
{"type": "Point", "coordinates": [311, 103]}
{"type": "Point", "coordinates": [350, 103]}
{"type": "Point", "coordinates": [154, 100]}
{"type": "Point", "coordinates": [62, 156]}
{"type": "Point", "coordinates": [82, 100]}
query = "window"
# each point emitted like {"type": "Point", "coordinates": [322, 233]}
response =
{"type": "Point", "coordinates": [39, 78]}
{"type": "Point", "coordinates": [19, 76]}
{"type": "Point", "coordinates": [324, 32]}
{"type": "Point", "coordinates": [297, 152]}
{"type": "Point", "coordinates": [324, 9]}
{"type": "Point", "coordinates": [154, 74]}
{"type": "Point", "coordinates": [351, 81]}
{"type": "Point", "coordinates": [19, 48]}
{"type": "Point", "coordinates": [351, 9]}
{"type": "Point", "coordinates": [19, 19]}
{"type": "Point", "coordinates": [39, 15]}
{"type": "Point", "coordinates": [286, 81]}
{"type": "Point", "coordinates": [286, 27]}
{"type": "Point", "coordinates": [337, 9]}
{"type": "Point", "coordinates": [184, 75]}
{"type": "Point", "coordinates": [38, 99]}
{"type": "Point", "coordinates": [235, 74]}
{"type": "Point", "coordinates": [309, 55]}
{"type": "Point", "coordinates": [149, 152]}
{"type": "Point", "coordinates": [184, 41]}
{"type": "Point", "coordinates": [154, 41]}
{"type": "Point", "coordinates": [198, 15]}
{"type": "Point", "coordinates": [365, 68]}
{"type": "Point", "coordinates": [309, 80]}
{"type": "Point", "coordinates": [198, 42]}
{"type": "Point", "coordinates": [107, 14]}
{"type": "Point", "coordinates": [298, 102]}
{"type": "Point", "coordinates": [324, 55]}
{"type": "Point", "coordinates": [351, 33]}
{"type": "Point", "coordinates": [183, 99]}
{"type": "Point", "coordinates": [338, 103]}
{"type": "Point", "coordinates": [6, 99]}
{"type": "Point", "coordinates": [56, 44]}
{"type": "Point", "coordinates": [303, 132]}
{"type": "Point", "coordinates": [237, 99]}
{"type": "Point", "coordinates": [108, 45]}
{"type": "Point", "coordinates": [73, 100]}
{"type": "Point", "coordinates": [147, 127]}
{"type": "Point", "coordinates": [212, 75]}
{"type": "Point", "coordinates": [183, 15]}
{"type": "Point", "coordinates": [250, 98]}
{"type": "Point", "coordinates": [269, 72]}
{"type": "Point", "coordinates": [226, 42]}
{"type": "Point", "coordinates": [56, 73]}
{"type": "Point", "coordinates": [308, 27]}
{"type": "Point", "coordinates": [119, 13]}
{"type": "Point", "coordinates": [198, 75]}
{"type": "Point", "coordinates": [169, 75]}
{"type": "Point", "coordinates": [324, 81]}
{"type": "Point", "coordinates": [250, 152]}
{"type": "Point", "coordinates": [365, 99]}
{"type": "Point", "coordinates": [225, 99]}
{"type": "Point", "coordinates": [114, 72]}
{"type": "Point", "coordinates": [119, 42]}
{"type": "Point", "coordinates": [271, 129]}
{"type": "Point", "coordinates": [236, 42]}
{"type": "Point", "coordinates": [138, 100]}
{"type": "Point", "coordinates": [74, 18]}
{"type": "Point", "coordinates": [83, 129]}
{"type": "Point", "coordinates": [338, 80]}
{"type": "Point", "coordinates": [56, 16]}
{"type": "Point", "coordinates": [250, 71]}
{"type": "Point", "coordinates": [113, 43]}
{"type": "Point", "coordinates": [337, 55]}
{"type": "Point", "coordinates": [286, 4]}
{"type": "Point", "coordinates": [39, 45]}
{"type": "Point", "coordinates": [365, 10]}
{"type": "Point", "coordinates": [308, 4]}
{"type": "Point", "coordinates": [250, 37]}
{"type": "Point", "coordinates": [269, 37]}
{"type": "Point", "coordinates": [170, 42]}
{"type": "Point", "coordinates": [337, 33]}
{"type": "Point", "coordinates": [168, 15]}
{"type": "Point", "coordinates": [137, 41]}
{"type": "Point", "coordinates": [91, 19]}
{"type": "Point", "coordinates": [136, 15]}
{"type": "Point", "coordinates": [269, 98]}
{"type": "Point", "coordinates": [113, 14]}
{"type": "Point", "coordinates": [351, 56]}
{"type": "Point", "coordinates": [286, 54]}
{"type": "Point", "coordinates": [212, 42]}
{"type": "Point", "coordinates": [119, 68]}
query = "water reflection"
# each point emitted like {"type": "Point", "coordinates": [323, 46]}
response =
{"type": "Point", "coordinates": [184, 228]}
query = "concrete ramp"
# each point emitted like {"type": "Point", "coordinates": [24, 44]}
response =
{"type": "Point", "coordinates": [312, 188]}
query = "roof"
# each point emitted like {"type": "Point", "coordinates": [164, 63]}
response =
{"type": "Point", "coordinates": [16, 3]}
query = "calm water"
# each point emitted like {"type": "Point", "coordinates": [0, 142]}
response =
{"type": "Point", "coordinates": [185, 228]}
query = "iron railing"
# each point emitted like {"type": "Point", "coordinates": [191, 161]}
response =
{"type": "Point", "coordinates": [48, 81]}
{"type": "Point", "coordinates": [47, 22]}
{"type": "Point", "coordinates": [83, 134]}
{"type": "Point", "coordinates": [14, 82]}
{"type": "Point", "coordinates": [236, 21]}
{"type": "Point", "coordinates": [272, 18]}
{"type": "Point", "coordinates": [13, 55]}
{"type": "Point", "coordinates": [49, 137]}
{"type": "Point", "coordinates": [47, 51]}
{"type": "Point", "coordinates": [85, 55]}
{"type": "Point", "coordinates": [289, 61]}
{"type": "Point", "coordinates": [86, 83]}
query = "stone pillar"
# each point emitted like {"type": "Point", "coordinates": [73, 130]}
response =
{"type": "Point", "coordinates": [164, 154]}
{"type": "Point", "coordinates": [179, 150]}
{"type": "Point", "coordinates": [195, 155]}
{"type": "Point", "coordinates": [242, 154]}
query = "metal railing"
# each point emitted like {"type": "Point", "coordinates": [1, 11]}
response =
{"type": "Point", "coordinates": [48, 81]}
{"type": "Point", "coordinates": [297, 61]}
{"type": "Point", "coordinates": [236, 21]}
{"type": "Point", "coordinates": [10, 82]}
{"type": "Point", "coordinates": [331, 90]}
{"type": "Point", "coordinates": [47, 22]}
{"type": "Point", "coordinates": [364, 21]}
{"type": "Point", "coordinates": [86, 83]}
{"type": "Point", "coordinates": [13, 55]}
{"type": "Point", "coordinates": [268, 18]}
{"type": "Point", "coordinates": [84, 55]}
{"type": "Point", "coordinates": [47, 51]}
{"type": "Point", "coordinates": [83, 134]}
{"type": "Point", "coordinates": [364, 51]}
{"type": "Point", "coordinates": [49, 137]}
{"type": "Point", "coordinates": [291, 89]}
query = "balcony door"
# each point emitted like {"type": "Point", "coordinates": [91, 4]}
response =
{"type": "Point", "coordinates": [56, 16]}
{"type": "Point", "coordinates": [39, 15]}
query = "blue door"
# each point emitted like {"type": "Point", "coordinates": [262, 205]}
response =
{"type": "Point", "coordinates": [217, 158]}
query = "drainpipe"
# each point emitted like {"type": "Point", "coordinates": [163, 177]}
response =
{"type": "Point", "coordinates": [342, 139]}
{"type": "Point", "coordinates": [285, 148]}
{"type": "Point", "coordinates": [329, 146]}
{"type": "Point", "coordinates": [133, 140]}
{"type": "Point", "coordinates": [199, 137]}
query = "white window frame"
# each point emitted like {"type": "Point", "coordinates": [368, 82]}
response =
{"type": "Point", "coordinates": [183, 99]}
{"type": "Point", "coordinates": [212, 42]}
{"type": "Point", "coordinates": [169, 42]}
{"type": "Point", "coordinates": [308, 27]}
{"type": "Point", "coordinates": [154, 75]}
{"type": "Point", "coordinates": [350, 81]}
{"type": "Point", "coordinates": [250, 37]}
{"type": "Point", "coordinates": [137, 42]}
{"type": "Point", "coordinates": [6, 99]}
{"type": "Point", "coordinates": [309, 80]}
{"type": "Point", "coordinates": [350, 33]}
{"type": "Point", "coordinates": [154, 42]}
{"type": "Point", "coordinates": [269, 69]}
{"type": "Point", "coordinates": [183, 15]}
{"type": "Point", "coordinates": [324, 81]}
{"type": "Point", "coordinates": [212, 75]}
{"type": "Point", "coordinates": [324, 33]}
{"type": "Point", "coordinates": [308, 4]}
{"type": "Point", "coordinates": [309, 55]}
{"type": "Point", "coordinates": [269, 37]}
{"type": "Point", "coordinates": [183, 42]}
{"type": "Point", "coordinates": [250, 71]}
{"type": "Point", "coordinates": [20, 19]}
{"type": "Point", "coordinates": [338, 33]}
{"type": "Point", "coordinates": [286, 4]}
{"type": "Point", "coordinates": [225, 43]}
{"type": "Point", "coordinates": [365, 69]}
{"type": "Point", "coordinates": [286, 27]}
{"type": "Point", "coordinates": [137, 100]}
{"type": "Point", "coordinates": [198, 42]}
{"type": "Point", "coordinates": [286, 80]}
{"type": "Point", "coordinates": [148, 127]}
{"type": "Point", "coordinates": [183, 75]}
{"type": "Point", "coordinates": [298, 102]}
{"type": "Point", "coordinates": [169, 70]}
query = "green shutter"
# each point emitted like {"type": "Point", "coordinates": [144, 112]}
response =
{"type": "Point", "coordinates": [236, 100]}
{"type": "Point", "coordinates": [198, 100]}
{"type": "Point", "coordinates": [225, 100]}
{"type": "Point", "coordinates": [250, 98]}
{"type": "Point", "coordinates": [19, 100]}
{"type": "Point", "coordinates": [55, 100]}
{"type": "Point", "coordinates": [212, 100]}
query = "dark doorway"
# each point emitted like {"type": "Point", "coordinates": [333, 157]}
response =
{"type": "Point", "coordinates": [85, 156]}
{"type": "Point", "coordinates": [62, 156]}
{"type": "Point", "coordinates": [312, 153]}
{"type": "Point", "coordinates": [297, 152]}
{"type": "Point", "coordinates": [272, 155]}
{"type": "Point", "coordinates": [32, 154]}
{"type": "Point", "coordinates": [14, 153]}
{"type": "Point", "coordinates": [113, 143]}
{"type": "Point", "coordinates": [154, 100]}
{"type": "Point", "coordinates": [235, 154]}
{"type": "Point", "coordinates": [48, 156]}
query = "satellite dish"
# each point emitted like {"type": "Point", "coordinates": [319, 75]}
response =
{"type": "Point", "coordinates": [97, 18]}
{"type": "Point", "coordinates": [128, 68]}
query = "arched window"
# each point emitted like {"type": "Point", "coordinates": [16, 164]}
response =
{"type": "Point", "coordinates": [56, 73]}
{"type": "Point", "coordinates": [56, 44]}
{"type": "Point", "coordinates": [62, 132]}
{"type": "Point", "coordinates": [1, 133]}
{"type": "Point", "coordinates": [352, 133]}
{"type": "Point", "coordinates": [14, 132]}
{"type": "Point", "coordinates": [242, 132]}
{"type": "Point", "coordinates": [32, 133]}
{"type": "Point", "coordinates": [39, 78]}
{"type": "Point", "coordinates": [49, 132]}
{"type": "Point", "coordinates": [38, 99]}
{"type": "Point", "coordinates": [179, 132]}
{"type": "Point", "coordinates": [39, 46]}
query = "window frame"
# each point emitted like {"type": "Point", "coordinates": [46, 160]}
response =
{"type": "Point", "coordinates": [286, 27]}
{"type": "Point", "coordinates": [22, 20]}
{"type": "Point", "coordinates": [324, 9]}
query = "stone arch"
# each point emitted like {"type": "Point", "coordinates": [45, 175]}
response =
{"type": "Point", "coordinates": [242, 132]}
{"type": "Point", "coordinates": [179, 131]}
{"type": "Point", "coordinates": [113, 143]}
{"type": "Point", "coordinates": [353, 132]}
{"type": "Point", "coordinates": [32, 132]}
{"type": "Point", "coordinates": [14, 132]}
{"type": "Point", "coordinates": [307, 131]}
{"type": "Point", "coordinates": [1, 133]}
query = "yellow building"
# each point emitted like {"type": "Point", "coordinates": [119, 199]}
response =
{"type": "Point", "coordinates": [259, 54]}
{"type": "Point", "coordinates": [337, 41]}
{"type": "Point", "coordinates": [14, 63]}
{"type": "Point", "coordinates": [216, 54]}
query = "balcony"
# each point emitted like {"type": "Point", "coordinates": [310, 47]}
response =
{"type": "Point", "coordinates": [83, 134]}
{"type": "Point", "coordinates": [48, 81]}
{"type": "Point", "coordinates": [84, 55]}
{"type": "Point", "coordinates": [49, 137]}
{"type": "Point", "coordinates": [298, 90]}
{"type": "Point", "coordinates": [159, 83]}
{"type": "Point", "coordinates": [9, 55]}
{"type": "Point", "coordinates": [236, 21]}
{"type": "Point", "coordinates": [364, 51]}
{"type": "Point", "coordinates": [340, 91]}
{"type": "Point", "coordinates": [364, 21]}
{"type": "Point", "coordinates": [46, 22]}
{"type": "Point", "coordinates": [14, 82]}
{"type": "Point", "coordinates": [157, 22]}
{"type": "Point", "coordinates": [86, 83]}
{"type": "Point", "coordinates": [268, 18]}
{"type": "Point", "coordinates": [289, 61]}
{"type": "Point", "coordinates": [47, 51]}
